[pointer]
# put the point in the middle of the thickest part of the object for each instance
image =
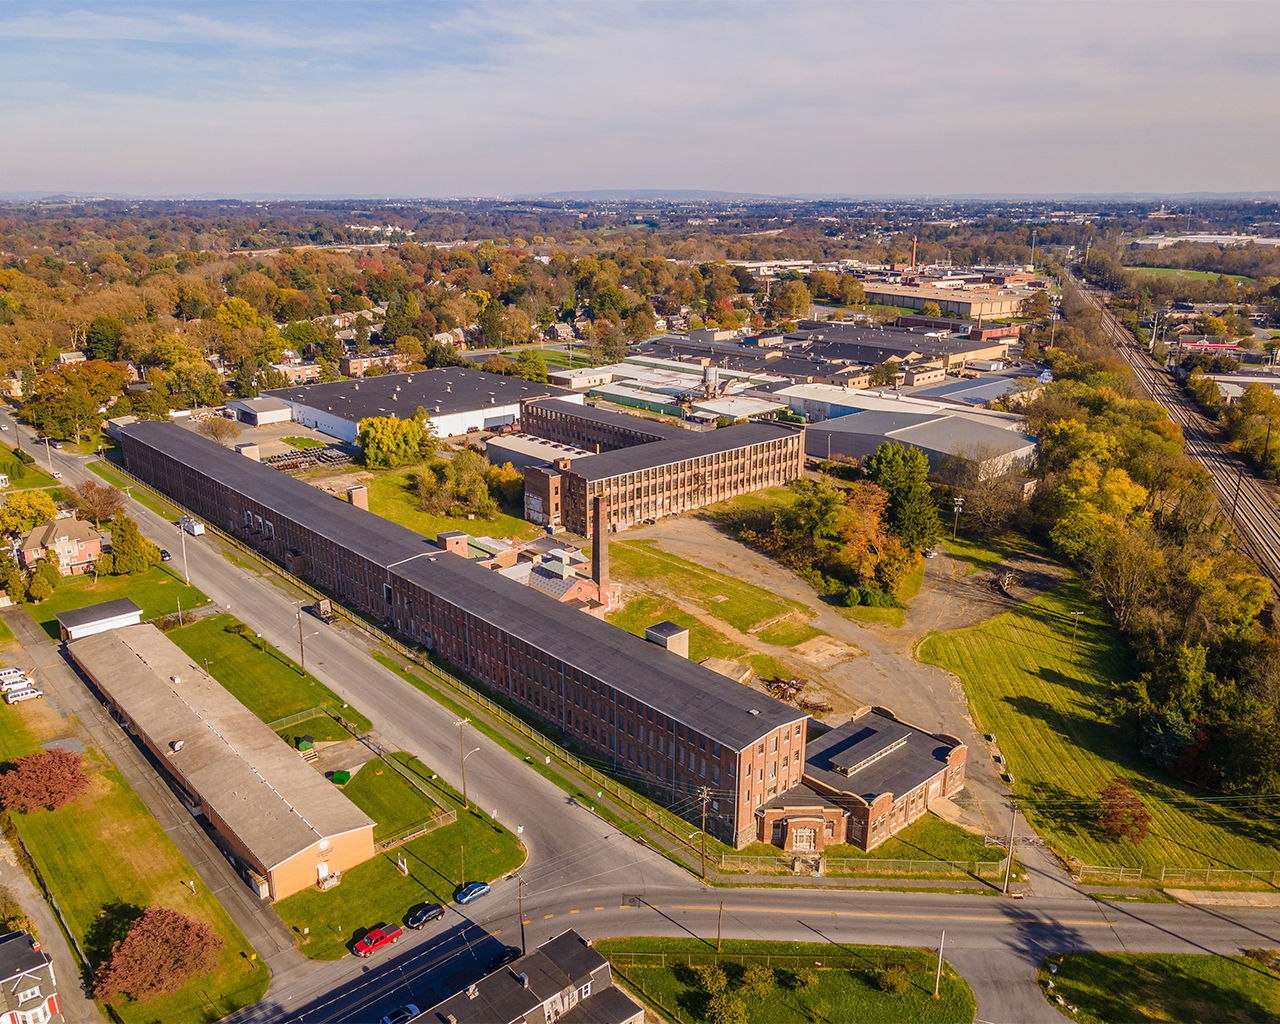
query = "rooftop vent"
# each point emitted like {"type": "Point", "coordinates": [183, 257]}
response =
{"type": "Point", "coordinates": [448, 388]}
{"type": "Point", "coordinates": [176, 680]}
{"type": "Point", "coordinates": [177, 745]}
{"type": "Point", "coordinates": [472, 992]}
{"type": "Point", "coordinates": [754, 711]}
{"type": "Point", "coordinates": [524, 980]}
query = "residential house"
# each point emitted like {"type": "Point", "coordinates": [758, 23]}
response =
{"type": "Point", "coordinates": [28, 988]}
{"type": "Point", "coordinates": [564, 980]}
{"type": "Point", "coordinates": [77, 545]}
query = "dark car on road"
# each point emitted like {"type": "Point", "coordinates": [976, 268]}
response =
{"type": "Point", "coordinates": [509, 954]}
{"type": "Point", "coordinates": [472, 891]}
{"type": "Point", "coordinates": [376, 939]}
{"type": "Point", "coordinates": [401, 1014]}
{"type": "Point", "coordinates": [424, 915]}
{"type": "Point", "coordinates": [164, 555]}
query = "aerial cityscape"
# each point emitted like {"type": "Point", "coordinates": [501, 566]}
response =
{"type": "Point", "coordinates": [640, 514]}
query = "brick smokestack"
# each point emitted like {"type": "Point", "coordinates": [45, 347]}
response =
{"type": "Point", "coordinates": [359, 496]}
{"type": "Point", "coordinates": [600, 543]}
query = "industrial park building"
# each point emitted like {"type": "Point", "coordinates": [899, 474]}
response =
{"type": "Point", "coordinates": [456, 400]}
{"type": "Point", "coordinates": [668, 725]}
{"type": "Point", "coordinates": [651, 476]}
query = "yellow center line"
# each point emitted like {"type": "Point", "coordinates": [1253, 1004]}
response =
{"type": "Point", "coordinates": [547, 917]}
{"type": "Point", "coordinates": [525, 921]}
{"type": "Point", "coordinates": [575, 911]}
{"type": "Point", "coordinates": [914, 917]}
{"type": "Point", "coordinates": [597, 908]}
{"type": "Point", "coordinates": [624, 906]}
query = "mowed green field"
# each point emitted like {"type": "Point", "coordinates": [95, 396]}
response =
{"type": "Point", "coordinates": [1108, 987]}
{"type": "Point", "coordinates": [394, 496]}
{"type": "Point", "coordinates": [158, 591]}
{"type": "Point", "coordinates": [1051, 721]}
{"type": "Point", "coordinates": [1188, 275]}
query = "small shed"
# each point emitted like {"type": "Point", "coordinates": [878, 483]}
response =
{"type": "Point", "coordinates": [98, 618]}
{"type": "Point", "coordinates": [261, 411]}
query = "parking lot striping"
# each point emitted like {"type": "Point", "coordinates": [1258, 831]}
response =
{"type": "Point", "coordinates": [547, 917]}
{"type": "Point", "coordinates": [911, 917]}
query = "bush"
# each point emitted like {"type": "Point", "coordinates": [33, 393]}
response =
{"type": "Point", "coordinates": [758, 981]}
{"type": "Point", "coordinates": [711, 978]}
{"type": "Point", "coordinates": [49, 779]}
{"type": "Point", "coordinates": [806, 979]}
{"type": "Point", "coordinates": [161, 953]}
{"type": "Point", "coordinates": [852, 598]}
{"type": "Point", "coordinates": [893, 980]}
{"type": "Point", "coordinates": [726, 1009]}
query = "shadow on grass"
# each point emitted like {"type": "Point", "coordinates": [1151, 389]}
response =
{"type": "Point", "coordinates": [110, 926]}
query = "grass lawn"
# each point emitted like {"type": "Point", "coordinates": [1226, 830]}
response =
{"type": "Point", "coordinates": [388, 798]}
{"type": "Point", "coordinates": [1109, 987]}
{"type": "Point", "coordinates": [267, 682]}
{"type": "Point", "coordinates": [847, 988]}
{"type": "Point", "coordinates": [557, 358]}
{"type": "Point", "coordinates": [106, 859]}
{"type": "Point", "coordinates": [376, 893]}
{"type": "Point", "coordinates": [930, 838]}
{"type": "Point", "coordinates": [303, 442]}
{"type": "Point", "coordinates": [978, 554]}
{"type": "Point", "coordinates": [157, 592]}
{"type": "Point", "coordinates": [1051, 720]}
{"type": "Point", "coordinates": [1187, 275]}
{"type": "Point", "coordinates": [704, 642]}
{"type": "Point", "coordinates": [22, 476]}
{"type": "Point", "coordinates": [740, 604]}
{"type": "Point", "coordinates": [788, 633]}
{"type": "Point", "coordinates": [319, 728]}
{"type": "Point", "coordinates": [6, 635]}
{"type": "Point", "coordinates": [394, 496]}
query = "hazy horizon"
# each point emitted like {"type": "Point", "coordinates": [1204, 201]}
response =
{"type": "Point", "coordinates": [848, 99]}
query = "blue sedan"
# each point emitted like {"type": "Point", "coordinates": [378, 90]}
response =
{"type": "Point", "coordinates": [473, 892]}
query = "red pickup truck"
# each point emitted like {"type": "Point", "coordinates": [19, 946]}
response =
{"type": "Point", "coordinates": [376, 939]}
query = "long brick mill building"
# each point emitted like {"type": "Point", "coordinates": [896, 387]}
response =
{"type": "Point", "coordinates": [647, 470]}
{"type": "Point", "coordinates": [665, 724]}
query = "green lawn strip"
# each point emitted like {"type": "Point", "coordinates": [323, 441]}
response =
{"type": "Point", "coordinates": [766, 666]}
{"type": "Point", "coordinates": [978, 554]}
{"type": "Point", "coordinates": [267, 682]}
{"type": "Point", "coordinates": [106, 859]}
{"type": "Point", "coordinates": [140, 493]}
{"type": "Point", "coordinates": [157, 591]}
{"type": "Point", "coordinates": [6, 634]}
{"type": "Point", "coordinates": [394, 496]}
{"type": "Point", "coordinates": [376, 892]}
{"type": "Point", "coordinates": [558, 358]}
{"type": "Point", "coordinates": [1051, 718]}
{"type": "Point", "coordinates": [883, 616]}
{"type": "Point", "coordinates": [741, 605]}
{"type": "Point", "coordinates": [23, 476]}
{"type": "Point", "coordinates": [320, 728]}
{"type": "Point", "coordinates": [847, 988]}
{"type": "Point", "coordinates": [1108, 987]}
{"type": "Point", "coordinates": [388, 798]}
{"type": "Point", "coordinates": [648, 609]}
{"type": "Point", "coordinates": [577, 788]}
{"type": "Point", "coordinates": [302, 442]}
{"type": "Point", "coordinates": [16, 740]}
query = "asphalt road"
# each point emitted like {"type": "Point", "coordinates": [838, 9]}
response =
{"type": "Point", "coordinates": [583, 873]}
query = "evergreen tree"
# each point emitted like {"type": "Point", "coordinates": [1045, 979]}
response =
{"type": "Point", "coordinates": [132, 553]}
{"type": "Point", "coordinates": [903, 474]}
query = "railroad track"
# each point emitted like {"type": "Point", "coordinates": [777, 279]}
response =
{"type": "Point", "coordinates": [1249, 502]}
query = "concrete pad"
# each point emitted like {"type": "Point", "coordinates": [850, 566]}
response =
{"type": "Point", "coordinates": [341, 756]}
{"type": "Point", "coordinates": [1217, 898]}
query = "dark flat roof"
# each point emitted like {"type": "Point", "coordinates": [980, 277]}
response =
{"type": "Point", "coordinates": [593, 414]}
{"type": "Point", "coordinates": [17, 956]}
{"type": "Point", "coordinates": [97, 612]}
{"type": "Point", "coordinates": [679, 688]}
{"type": "Point", "coordinates": [610, 1006]}
{"type": "Point", "coordinates": [691, 445]}
{"type": "Point", "coordinates": [909, 757]}
{"type": "Point", "coordinates": [452, 388]}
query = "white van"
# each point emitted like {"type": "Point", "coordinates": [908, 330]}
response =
{"type": "Point", "coordinates": [11, 672]}
{"type": "Point", "coordinates": [15, 683]}
{"type": "Point", "coordinates": [192, 526]}
{"type": "Point", "coordinates": [18, 696]}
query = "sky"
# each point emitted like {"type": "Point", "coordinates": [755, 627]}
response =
{"type": "Point", "coordinates": [323, 97]}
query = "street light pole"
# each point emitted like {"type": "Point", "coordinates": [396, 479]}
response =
{"type": "Point", "coordinates": [182, 534]}
{"type": "Point", "coordinates": [520, 879]}
{"type": "Point", "coordinates": [1008, 864]}
{"type": "Point", "coordinates": [48, 455]}
{"type": "Point", "coordinates": [1075, 629]}
{"type": "Point", "coordinates": [958, 501]}
{"type": "Point", "coordinates": [704, 795]}
{"type": "Point", "coordinates": [937, 980]}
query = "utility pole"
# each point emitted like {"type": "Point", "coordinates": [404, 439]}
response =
{"type": "Point", "coordinates": [719, 923]}
{"type": "Point", "coordinates": [1074, 630]}
{"type": "Point", "coordinates": [182, 535]}
{"type": "Point", "coordinates": [302, 650]}
{"type": "Point", "coordinates": [704, 795]}
{"type": "Point", "coordinates": [958, 501]}
{"type": "Point", "coordinates": [937, 980]}
{"type": "Point", "coordinates": [1236, 497]}
{"type": "Point", "coordinates": [520, 879]}
{"type": "Point", "coordinates": [1008, 864]}
{"type": "Point", "coordinates": [462, 856]}
{"type": "Point", "coordinates": [48, 455]}
{"type": "Point", "coordinates": [463, 754]}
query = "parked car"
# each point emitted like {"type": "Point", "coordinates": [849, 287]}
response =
{"type": "Point", "coordinates": [57, 445]}
{"type": "Point", "coordinates": [11, 672]}
{"type": "Point", "coordinates": [57, 475]}
{"type": "Point", "coordinates": [12, 683]}
{"type": "Point", "coordinates": [472, 891]}
{"type": "Point", "coordinates": [164, 555]}
{"type": "Point", "coordinates": [26, 693]}
{"type": "Point", "coordinates": [401, 1014]}
{"type": "Point", "coordinates": [376, 939]}
{"type": "Point", "coordinates": [509, 954]}
{"type": "Point", "coordinates": [424, 915]}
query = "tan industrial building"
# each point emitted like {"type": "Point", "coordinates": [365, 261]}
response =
{"type": "Point", "coordinates": [277, 819]}
{"type": "Point", "coordinates": [973, 304]}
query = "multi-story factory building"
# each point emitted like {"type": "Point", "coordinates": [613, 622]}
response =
{"type": "Point", "coordinates": [666, 724]}
{"type": "Point", "coordinates": [649, 478]}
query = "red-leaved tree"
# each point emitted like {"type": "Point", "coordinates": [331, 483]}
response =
{"type": "Point", "coordinates": [162, 951]}
{"type": "Point", "coordinates": [1122, 814]}
{"type": "Point", "coordinates": [51, 778]}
